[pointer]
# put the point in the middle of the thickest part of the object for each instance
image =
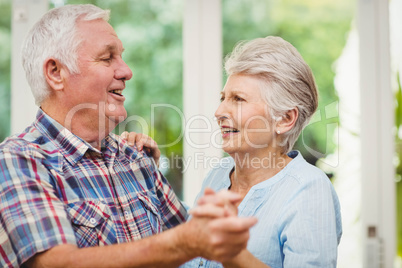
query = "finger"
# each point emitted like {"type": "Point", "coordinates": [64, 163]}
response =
{"type": "Point", "coordinates": [153, 151]}
{"type": "Point", "coordinates": [208, 191]}
{"type": "Point", "coordinates": [214, 199]}
{"type": "Point", "coordinates": [220, 198]}
{"type": "Point", "coordinates": [233, 224]}
{"type": "Point", "coordinates": [156, 155]}
{"type": "Point", "coordinates": [236, 239]}
{"type": "Point", "coordinates": [230, 209]}
{"type": "Point", "coordinates": [208, 210]}
{"type": "Point", "coordinates": [148, 142]}
{"type": "Point", "coordinates": [124, 135]}
{"type": "Point", "coordinates": [132, 136]}
{"type": "Point", "coordinates": [145, 140]}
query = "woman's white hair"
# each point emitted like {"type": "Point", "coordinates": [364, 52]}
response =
{"type": "Point", "coordinates": [55, 35]}
{"type": "Point", "coordinates": [286, 80]}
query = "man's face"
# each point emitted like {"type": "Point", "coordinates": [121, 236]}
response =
{"type": "Point", "coordinates": [95, 94]}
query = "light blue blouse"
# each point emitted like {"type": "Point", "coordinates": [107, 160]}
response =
{"type": "Point", "coordinates": [299, 218]}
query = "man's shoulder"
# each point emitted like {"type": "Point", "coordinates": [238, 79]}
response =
{"type": "Point", "coordinates": [30, 141]}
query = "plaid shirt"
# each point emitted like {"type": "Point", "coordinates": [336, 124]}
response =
{"type": "Point", "coordinates": [55, 189]}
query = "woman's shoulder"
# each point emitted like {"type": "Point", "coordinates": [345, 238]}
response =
{"type": "Point", "coordinates": [305, 183]}
{"type": "Point", "coordinates": [305, 173]}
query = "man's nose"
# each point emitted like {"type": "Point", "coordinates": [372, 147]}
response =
{"type": "Point", "coordinates": [123, 72]}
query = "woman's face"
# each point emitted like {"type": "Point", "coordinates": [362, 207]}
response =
{"type": "Point", "coordinates": [243, 116]}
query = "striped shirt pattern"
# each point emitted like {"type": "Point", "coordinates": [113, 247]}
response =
{"type": "Point", "coordinates": [56, 189]}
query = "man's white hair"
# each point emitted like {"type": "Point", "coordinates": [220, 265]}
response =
{"type": "Point", "coordinates": [55, 35]}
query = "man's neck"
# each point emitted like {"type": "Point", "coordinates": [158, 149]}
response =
{"type": "Point", "coordinates": [89, 130]}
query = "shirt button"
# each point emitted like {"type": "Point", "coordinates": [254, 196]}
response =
{"type": "Point", "coordinates": [127, 214]}
{"type": "Point", "coordinates": [92, 220]}
{"type": "Point", "coordinates": [201, 263]}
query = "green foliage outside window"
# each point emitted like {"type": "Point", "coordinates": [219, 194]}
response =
{"type": "Point", "coordinates": [151, 32]}
{"type": "Point", "coordinates": [318, 29]}
{"type": "Point", "coordinates": [5, 67]}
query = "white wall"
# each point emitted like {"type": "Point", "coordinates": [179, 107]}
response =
{"type": "Point", "coordinates": [25, 13]}
{"type": "Point", "coordinates": [202, 45]}
{"type": "Point", "coordinates": [377, 147]}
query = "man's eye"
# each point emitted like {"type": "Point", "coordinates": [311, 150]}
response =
{"type": "Point", "coordinates": [237, 98]}
{"type": "Point", "coordinates": [222, 99]}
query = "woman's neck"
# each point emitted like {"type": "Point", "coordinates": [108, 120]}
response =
{"type": "Point", "coordinates": [252, 168]}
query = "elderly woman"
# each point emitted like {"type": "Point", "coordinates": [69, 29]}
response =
{"type": "Point", "coordinates": [269, 97]}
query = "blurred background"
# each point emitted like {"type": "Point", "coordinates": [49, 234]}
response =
{"type": "Point", "coordinates": [324, 32]}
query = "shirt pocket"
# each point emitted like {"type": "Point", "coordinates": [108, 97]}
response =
{"type": "Point", "coordinates": [91, 223]}
{"type": "Point", "coordinates": [150, 204]}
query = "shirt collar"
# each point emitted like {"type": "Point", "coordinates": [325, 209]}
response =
{"type": "Point", "coordinates": [260, 187]}
{"type": "Point", "coordinates": [259, 193]}
{"type": "Point", "coordinates": [72, 147]}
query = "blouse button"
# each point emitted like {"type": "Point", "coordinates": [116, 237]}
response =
{"type": "Point", "coordinates": [92, 220]}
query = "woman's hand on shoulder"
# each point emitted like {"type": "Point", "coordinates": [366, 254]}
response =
{"type": "Point", "coordinates": [142, 141]}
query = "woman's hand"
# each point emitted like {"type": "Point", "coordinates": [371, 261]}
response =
{"type": "Point", "coordinates": [215, 205]}
{"type": "Point", "coordinates": [220, 205]}
{"type": "Point", "coordinates": [143, 141]}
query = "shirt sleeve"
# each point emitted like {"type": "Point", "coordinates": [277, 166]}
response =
{"type": "Point", "coordinates": [173, 212]}
{"type": "Point", "coordinates": [32, 218]}
{"type": "Point", "coordinates": [311, 226]}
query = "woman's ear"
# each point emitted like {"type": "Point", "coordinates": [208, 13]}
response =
{"type": "Point", "coordinates": [53, 74]}
{"type": "Point", "coordinates": [286, 123]}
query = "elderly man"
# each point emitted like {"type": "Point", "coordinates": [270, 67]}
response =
{"type": "Point", "coordinates": [72, 194]}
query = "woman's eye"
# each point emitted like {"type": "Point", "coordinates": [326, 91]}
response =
{"type": "Point", "coordinates": [222, 99]}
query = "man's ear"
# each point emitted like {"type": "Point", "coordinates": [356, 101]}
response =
{"type": "Point", "coordinates": [53, 73]}
{"type": "Point", "coordinates": [287, 122]}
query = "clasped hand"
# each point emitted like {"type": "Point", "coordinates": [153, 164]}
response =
{"type": "Point", "coordinates": [225, 232]}
{"type": "Point", "coordinates": [217, 232]}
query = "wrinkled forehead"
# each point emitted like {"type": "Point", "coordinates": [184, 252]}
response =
{"type": "Point", "coordinates": [243, 84]}
{"type": "Point", "coordinates": [99, 34]}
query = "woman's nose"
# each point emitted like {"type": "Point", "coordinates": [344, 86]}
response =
{"type": "Point", "coordinates": [221, 112]}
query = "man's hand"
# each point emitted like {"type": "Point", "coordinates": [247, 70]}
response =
{"type": "Point", "coordinates": [219, 234]}
{"type": "Point", "coordinates": [219, 239]}
{"type": "Point", "coordinates": [143, 141]}
{"type": "Point", "coordinates": [223, 204]}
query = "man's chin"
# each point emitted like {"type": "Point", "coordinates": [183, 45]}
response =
{"type": "Point", "coordinates": [117, 118]}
